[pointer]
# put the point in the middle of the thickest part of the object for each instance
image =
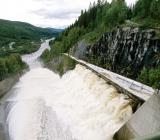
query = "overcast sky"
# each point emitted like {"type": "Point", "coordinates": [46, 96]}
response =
{"type": "Point", "coordinates": [44, 13]}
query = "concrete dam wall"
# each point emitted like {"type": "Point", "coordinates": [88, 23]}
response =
{"type": "Point", "coordinates": [145, 122]}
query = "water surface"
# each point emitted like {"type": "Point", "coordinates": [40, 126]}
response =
{"type": "Point", "coordinates": [78, 106]}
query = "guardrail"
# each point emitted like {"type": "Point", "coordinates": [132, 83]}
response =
{"type": "Point", "coordinates": [134, 85]}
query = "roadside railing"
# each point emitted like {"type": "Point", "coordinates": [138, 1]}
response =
{"type": "Point", "coordinates": [134, 85]}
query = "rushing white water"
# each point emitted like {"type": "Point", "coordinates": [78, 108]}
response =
{"type": "Point", "coordinates": [32, 59]}
{"type": "Point", "coordinates": [78, 106]}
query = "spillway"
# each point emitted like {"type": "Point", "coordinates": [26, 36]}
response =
{"type": "Point", "coordinates": [78, 106]}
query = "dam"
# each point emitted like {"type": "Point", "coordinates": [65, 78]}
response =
{"type": "Point", "coordinates": [80, 105]}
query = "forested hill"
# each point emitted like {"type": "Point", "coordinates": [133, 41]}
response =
{"type": "Point", "coordinates": [21, 37]}
{"type": "Point", "coordinates": [21, 30]}
{"type": "Point", "coordinates": [18, 38]}
{"type": "Point", "coordinates": [128, 33]}
{"type": "Point", "coordinates": [103, 17]}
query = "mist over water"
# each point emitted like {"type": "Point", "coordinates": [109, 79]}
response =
{"type": "Point", "coordinates": [78, 106]}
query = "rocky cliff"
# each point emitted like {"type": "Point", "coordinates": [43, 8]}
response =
{"type": "Point", "coordinates": [124, 50]}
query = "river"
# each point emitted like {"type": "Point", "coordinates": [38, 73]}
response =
{"type": "Point", "coordinates": [77, 106]}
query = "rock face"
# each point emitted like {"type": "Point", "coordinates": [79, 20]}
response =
{"type": "Point", "coordinates": [79, 50]}
{"type": "Point", "coordinates": [126, 50]}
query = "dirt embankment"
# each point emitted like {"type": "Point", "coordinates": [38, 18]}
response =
{"type": "Point", "coordinates": [8, 83]}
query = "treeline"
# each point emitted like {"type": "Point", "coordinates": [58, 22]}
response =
{"type": "Point", "coordinates": [10, 65]}
{"type": "Point", "coordinates": [147, 8]}
{"type": "Point", "coordinates": [101, 17]}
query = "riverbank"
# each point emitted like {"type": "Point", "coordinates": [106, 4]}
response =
{"type": "Point", "coordinates": [5, 87]}
{"type": "Point", "coordinates": [8, 83]}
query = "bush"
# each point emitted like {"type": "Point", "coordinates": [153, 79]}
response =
{"type": "Point", "coordinates": [154, 78]}
{"type": "Point", "coordinates": [46, 56]}
{"type": "Point", "coordinates": [10, 65]}
{"type": "Point", "coordinates": [150, 77]}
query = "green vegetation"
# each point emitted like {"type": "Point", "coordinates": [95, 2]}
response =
{"type": "Point", "coordinates": [103, 17]}
{"type": "Point", "coordinates": [65, 64]}
{"type": "Point", "coordinates": [91, 24]}
{"type": "Point", "coordinates": [145, 9]}
{"type": "Point", "coordinates": [21, 47]}
{"type": "Point", "coordinates": [59, 64]}
{"type": "Point", "coordinates": [19, 38]}
{"type": "Point", "coordinates": [147, 13]}
{"type": "Point", "coordinates": [26, 37]}
{"type": "Point", "coordinates": [150, 77]}
{"type": "Point", "coordinates": [11, 65]}
{"type": "Point", "coordinates": [12, 30]}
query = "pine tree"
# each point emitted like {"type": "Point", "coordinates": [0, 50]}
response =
{"type": "Point", "coordinates": [155, 9]}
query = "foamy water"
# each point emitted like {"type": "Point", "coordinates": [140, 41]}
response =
{"type": "Point", "coordinates": [78, 106]}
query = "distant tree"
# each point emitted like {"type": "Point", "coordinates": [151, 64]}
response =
{"type": "Point", "coordinates": [155, 9]}
{"type": "Point", "coordinates": [142, 8]}
{"type": "Point", "coordinates": [117, 13]}
{"type": "Point", "coordinates": [130, 12]}
{"type": "Point", "coordinates": [99, 3]}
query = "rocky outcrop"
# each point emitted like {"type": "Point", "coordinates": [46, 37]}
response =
{"type": "Point", "coordinates": [125, 51]}
{"type": "Point", "coordinates": [79, 50]}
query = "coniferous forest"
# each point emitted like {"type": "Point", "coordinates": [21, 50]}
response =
{"type": "Point", "coordinates": [102, 17]}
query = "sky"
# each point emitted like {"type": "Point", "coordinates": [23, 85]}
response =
{"type": "Point", "coordinates": [45, 13]}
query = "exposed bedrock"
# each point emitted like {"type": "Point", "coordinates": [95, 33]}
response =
{"type": "Point", "coordinates": [124, 50]}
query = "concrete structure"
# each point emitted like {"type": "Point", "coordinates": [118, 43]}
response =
{"type": "Point", "coordinates": [145, 122]}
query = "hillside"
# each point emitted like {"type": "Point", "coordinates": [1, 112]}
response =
{"type": "Point", "coordinates": [22, 30]}
{"type": "Point", "coordinates": [21, 37]}
{"type": "Point", "coordinates": [121, 38]}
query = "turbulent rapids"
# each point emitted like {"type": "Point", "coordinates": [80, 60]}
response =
{"type": "Point", "coordinates": [78, 106]}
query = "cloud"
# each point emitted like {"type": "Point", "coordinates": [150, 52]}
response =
{"type": "Point", "coordinates": [61, 14]}
{"type": "Point", "coordinates": [44, 13]}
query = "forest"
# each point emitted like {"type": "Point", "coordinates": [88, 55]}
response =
{"type": "Point", "coordinates": [10, 65]}
{"type": "Point", "coordinates": [102, 17]}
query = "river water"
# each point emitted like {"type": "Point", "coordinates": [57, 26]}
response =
{"type": "Point", "coordinates": [78, 106]}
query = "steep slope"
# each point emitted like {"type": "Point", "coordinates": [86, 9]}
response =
{"type": "Point", "coordinates": [117, 37]}
{"type": "Point", "coordinates": [22, 30]}
{"type": "Point", "coordinates": [125, 51]}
